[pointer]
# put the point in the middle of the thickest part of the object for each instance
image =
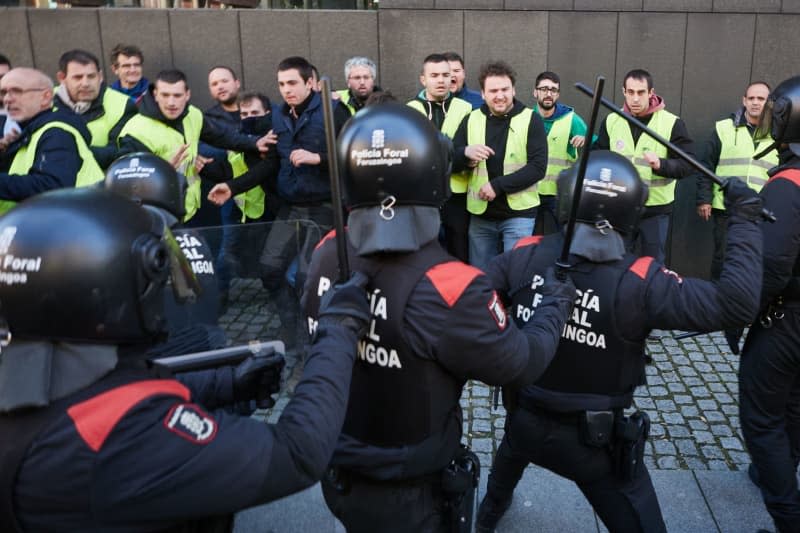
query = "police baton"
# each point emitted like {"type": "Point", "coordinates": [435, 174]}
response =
{"type": "Point", "coordinates": [563, 262]}
{"type": "Point", "coordinates": [272, 351]}
{"type": "Point", "coordinates": [333, 169]}
{"type": "Point", "coordinates": [765, 213]}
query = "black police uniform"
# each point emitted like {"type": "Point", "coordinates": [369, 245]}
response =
{"type": "Point", "coordinates": [769, 373]}
{"type": "Point", "coordinates": [436, 323]}
{"type": "Point", "coordinates": [133, 453]}
{"type": "Point", "coordinates": [599, 362]}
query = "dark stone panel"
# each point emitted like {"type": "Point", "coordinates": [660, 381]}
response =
{"type": "Point", "coordinates": [356, 35]}
{"type": "Point", "coordinates": [560, 5]}
{"type": "Point", "coordinates": [146, 28]}
{"type": "Point", "coordinates": [267, 38]}
{"type": "Point", "coordinates": [407, 37]}
{"type": "Point", "coordinates": [54, 31]}
{"type": "Point", "coordinates": [407, 4]}
{"type": "Point", "coordinates": [677, 5]}
{"type": "Point", "coordinates": [748, 6]}
{"type": "Point", "coordinates": [482, 46]}
{"type": "Point", "coordinates": [608, 5]}
{"type": "Point", "coordinates": [582, 46]}
{"type": "Point", "coordinates": [790, 6]}
{"type": "Point", "coordinates": [776, 40]}
{"type": "Point", "coordinates": [469, 4]}
{"type": "Point", "coordinates": [654, 42]}
{"type": "Point", "coordinates": [15, 41]}
{"type": "Point", "coordinates": [201, 39]}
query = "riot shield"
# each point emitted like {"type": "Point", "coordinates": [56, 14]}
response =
{"type": "Point", "coordinates": [251, 285]}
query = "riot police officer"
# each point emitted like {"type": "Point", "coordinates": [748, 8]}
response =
{"type": "Point", "coordinates": [151, 181]}
{"type": "Point", "coordinates": [571, 420]}
{"type": "Point", "coordinates": [91, 441]}
{"type": "Point", "coordinates": [769, 373]}
{"type": "Point", "coordinates": [436, 322]}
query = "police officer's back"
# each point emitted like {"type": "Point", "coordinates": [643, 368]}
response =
{"type": "Point", "coordinates": [571, 420]}
{"type": "Point", "coordinates": [436, 323]}
{"type": "Point", "coordinates": [91, 440]}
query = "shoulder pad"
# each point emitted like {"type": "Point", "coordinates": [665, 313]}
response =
{"type": "Point", "coordinates": [451, 279]}
{"type": "Point", "coordinates": [96, 417]}
{"type": "Point", "coordinates": [641, 266]}
{"type": "Point", "coordinates": [791, 174]}
{"type": "Point", "coordinates": [528, 241]}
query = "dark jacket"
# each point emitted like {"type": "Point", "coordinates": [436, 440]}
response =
{"type": "Point", "coordinates": [471, 96]}
{"type": "Point", "coordinates": [135, 93]}
{"type": "Point", "coordinates": [162, 457]}
{"type": "Point", "coordinates": [104, 155]}
{"type": "Point", "coordinates": [56, 163]}
{"type": "Point", "coordinates": [496, 138]}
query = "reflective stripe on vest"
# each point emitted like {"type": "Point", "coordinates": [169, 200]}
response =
{"type": "Point", "coordinates": [558, 157]}
{"type": "Point", "coordinates": [456, 111]}
{"type": "Point", "coordinates": [114, 104]}
{"type": "Point", "coordinates": [90, 172]}
{"type": "Point", "coordinates": [516, 157]}
{"type": "Point", "coordinates": [344, 97]}
{"type": "Point", "coordinates": [164, 141]}
{"type": "Point", "coordinates": [662, 190]}
{"type": "Point", "coordinates": [736, 159]}
{"type": "Point", "coordinates": [250, 203]}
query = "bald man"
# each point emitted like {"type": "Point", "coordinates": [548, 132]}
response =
{"type": "Point", "coordinates": [52, 150]}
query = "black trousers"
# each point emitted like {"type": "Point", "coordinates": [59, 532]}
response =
{"type": "Point", "coordinates": [368, 506]}
{"type": "Point", "coordinates": [769, 408]}
{"type": "Point", "coordinates": [554, 443]}
{"type": "Point", "coordinates": [455, 223]}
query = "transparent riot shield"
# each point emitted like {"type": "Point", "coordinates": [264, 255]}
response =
{"type": "Point", "coordinates": [251, 277]}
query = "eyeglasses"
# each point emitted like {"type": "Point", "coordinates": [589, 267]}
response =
{"type": "Point", "coordinates": [360, 78]}
{"type": "Point", "coordinates": [550, 90]}
{"type": "Point", "coordinates": [129, 65]}
{"type": "Point", "coordinates": [18, 91]}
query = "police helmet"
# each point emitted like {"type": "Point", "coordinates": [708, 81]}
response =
{"type": "Point", "coordinates": [83, 265]}
{"type": "Point", "coordinates": [782, 114]}
{"type": "Point", "coordinates": [149, 180]}
{"type": "Point", "coordinates": [395, 169]}
{"type": "Point", "coordinates": [613, 195]}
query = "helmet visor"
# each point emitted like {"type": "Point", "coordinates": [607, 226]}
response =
{"type": "Point", "coordinates": [185, 286]}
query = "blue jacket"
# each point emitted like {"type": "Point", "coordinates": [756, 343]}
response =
{"type": "Point", "coordinates": [471, 96]}
{"type": "Point", "coordinates": [306, 183]}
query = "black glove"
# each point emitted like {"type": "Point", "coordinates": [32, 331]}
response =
{"type": "Point", "coordinates": [257, 378]}
{"type": "Point", "coordinates": [563, 292]}
{"type": "Point", "coordinates": [741, 200]}
{"type": "Point", "coordinates": [346, 304]}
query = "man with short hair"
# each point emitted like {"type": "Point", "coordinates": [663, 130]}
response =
{"type": "Point", "coordinates": [52, 150]}
{"type": "Point", "coordinates": [458, 81]}
{"type": "Point", "coordinates": [446, 111]}
{"type": "Point", "coordinates": [127, 62]}
{"type": "Point", "coordinates": [504, 144]}
{"type": "Point", "coordinates": [566, 132]}
{"type": "Point", "coordinates": [168, 126]}
{"type": "Point", "coordinates": [104, 111]}
{"type": "Point", "coordinates": [658, 166]}
{"type": "Point", "coordinates": [8, 128]}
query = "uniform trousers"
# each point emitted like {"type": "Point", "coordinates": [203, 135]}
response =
{"type": "Point", "coordinates": [369, 506]}
{"type": "Point", "coordinates": [553, 442]}
{"type": "Point", "coordinates": [769, 407]}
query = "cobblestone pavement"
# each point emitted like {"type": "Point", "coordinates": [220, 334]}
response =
{"type": "Point", "coordinates": [691, 393]}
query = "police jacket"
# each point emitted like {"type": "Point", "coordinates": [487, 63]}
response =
{"type": "Point", "coordinates": [133, 453]}
{"type": "Point", "coordinates": [781, 195]}
{"type": "Point", "coordinates": [107, 114]}
{"type": "Point", "coordinates": [437, 323]}
{"type": "Point", "coordinates": [672, 166]}
{"type": "Point", "coordinates": [496, 137]}
{"type": "Point", "coordinates": [600, 357]}
{"type": "Point", "coordinates": [56, 162]}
